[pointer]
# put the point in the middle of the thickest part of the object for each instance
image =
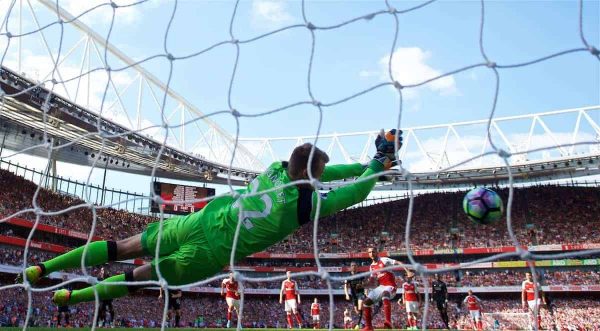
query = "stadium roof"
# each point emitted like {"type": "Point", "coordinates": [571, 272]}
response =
{"type": "Point", "coordinates": [434, 154]}
{"type": "Point", "coordinates": [76, 129]}
{"type": "Point", "coordinates": [32, 111]}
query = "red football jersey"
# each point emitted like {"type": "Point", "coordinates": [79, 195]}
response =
{"type": "Point", "coordinates": [385, 278]}
{"type": "Point", "coordinates": [472, 302]}
{"type": "Point", "coordinates": [290, 289]}
{"type": "Point", "coordinates": [529, 288]}
{"type": "Point", "coordinates": [315, 308]}
{"type": "Point", "coordinates": [410, 291]}
{"type": "Point", "coordinates": [231, 287]}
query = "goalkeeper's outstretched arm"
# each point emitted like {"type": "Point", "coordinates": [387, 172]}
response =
{"type": "Point", "coordinates": [347, 196]}
{"type": "Point", "coordinates": [344, 197]}
{"type": "Point", "coordinates": [341, 171]}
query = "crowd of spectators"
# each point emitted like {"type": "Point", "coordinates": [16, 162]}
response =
{"type": "Point", "coordinates": [145, 310]}
{"type": "Point", "coordinates": [437, 222]}
{"type": "Point", "coordinates": [564, 314]}
{"type": "Point", "coordinates": [11, 255]}
{"type": "Point", "coordinates": [110, 224]}
{"type": "Point", "coordinates": [540, 215]}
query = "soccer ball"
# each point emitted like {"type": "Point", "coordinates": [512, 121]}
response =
{"type": "Point", "coordinates": [483, 206]}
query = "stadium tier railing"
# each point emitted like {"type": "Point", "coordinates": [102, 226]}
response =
{"type": "Point", "coordinates": [74, 188]}
{"type": "Point", "coordinates": [16, 221]}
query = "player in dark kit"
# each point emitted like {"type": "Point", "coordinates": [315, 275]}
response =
{"type": "Point", "coordinates": [63, 310]}
{"type": "Point", "coordinates": [174, 304]}
{"type": "Point", "coordinates": [355, 291]}
{"type": "Point", "coordinates": [440, 296]}
{"type": "Point", "coordinates": [105, 305]}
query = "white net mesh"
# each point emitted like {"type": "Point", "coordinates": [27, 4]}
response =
{"type": "Point", "coordinates": [56, 80]}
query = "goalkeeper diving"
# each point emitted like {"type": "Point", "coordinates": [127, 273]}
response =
{"type": "Point", "coordinates": [198, 246]}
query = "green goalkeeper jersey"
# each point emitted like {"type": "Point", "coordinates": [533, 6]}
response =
{"type": "Point", "coordinates": [269, 217]}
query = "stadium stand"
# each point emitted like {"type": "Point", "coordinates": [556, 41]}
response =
{"type": "Point", "coordinates": [433, 228]}
{"type": "Point", "coordinates": [260, 311]}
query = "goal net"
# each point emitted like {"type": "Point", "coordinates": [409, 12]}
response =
{"type": "Point", "coordinates": [53, 82]}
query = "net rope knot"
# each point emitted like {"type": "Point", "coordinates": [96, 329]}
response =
{"type": "Point", "coordinates": [316, 103]}
{"type": "Point", "coordinates": [170, 57]}
{"type": "Point", "coordinates": [114, 5]}
{"type": "Point", "coordinates": [324, 274]}
{"type": "Point", "coordinates": [503, 154]}
{"type": "Point", "coordinates": [92, 280]}
{"type": "Point", "coordinates": [157, 199]}
{"type": "Point", "coordinates": [239, 276]}
{"type": "Point", "coordinates": [103, 134]}
{"type": "Point", "coordinates": [419, 268]}
{"type": "Point", "coordinates": [491, 64]}
{"type": "Point", "coordinates": [315, 183]}
{"type": "Point", "coordinates": [310, 26]}
{"type": "Point", "coordinates": [163, 283]}
{"type": "Point", "coordinates": [523, 253]}
{"type": "Point", "coordinates": [594, 51]}
{"type": "Point", "coordinates": [8, 34]}
{"type": "Point", "coordinates": [397, 85]}
{"type": "Point", "coordinates": [235, 113]}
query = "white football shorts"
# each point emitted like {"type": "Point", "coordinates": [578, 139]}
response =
{"type": "Point", "coordinates": [291, 305]}
{"type": "Point", "coordinates": [231, 302]}
{"type": "Point", "coordinates": [412, 306]}
{"type": "Point", "coordinates": [475, 314]}
{"type": "Point", "coordinates": [376, 294]}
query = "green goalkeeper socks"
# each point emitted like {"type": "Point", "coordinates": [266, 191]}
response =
{"type": "Point", "coordinates": [98, 252]}
{"type": "Point", "coordinates": [105, 292]}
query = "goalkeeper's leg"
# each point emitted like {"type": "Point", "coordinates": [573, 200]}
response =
{"type": "Point", "coordinates": [98, 252]}
{"type": "Point", "coordinates": [106, 291]}
{"type": "Point", "coordinates": [191, 262]}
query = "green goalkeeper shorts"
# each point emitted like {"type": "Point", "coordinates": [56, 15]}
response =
{"type": "Point", "coordinates": [184, 255]}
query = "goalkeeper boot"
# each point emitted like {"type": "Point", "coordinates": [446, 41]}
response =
{"type": "Point", "coordinates": [33, 274]}
{"type": "Point", "coordinates": [61, 297]}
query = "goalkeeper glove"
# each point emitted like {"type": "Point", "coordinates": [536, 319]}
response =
{"type": "Point", "coordinates": [385, 143]}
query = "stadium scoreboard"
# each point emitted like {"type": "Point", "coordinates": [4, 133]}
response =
{"type": "Point", "coordinates": [179, 193]}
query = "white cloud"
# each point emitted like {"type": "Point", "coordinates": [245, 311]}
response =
{"type": "Point", "coordinates": [369, 73]}
{"type": "Point", "coordinates": [409, 67]}
{"type": "Point", "coordinates": [103, 14]}
{"type": "Point", "coordinates": [270, 13]}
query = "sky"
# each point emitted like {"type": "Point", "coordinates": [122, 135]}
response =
{"type": "Point", "coordinates": [273, 71]}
